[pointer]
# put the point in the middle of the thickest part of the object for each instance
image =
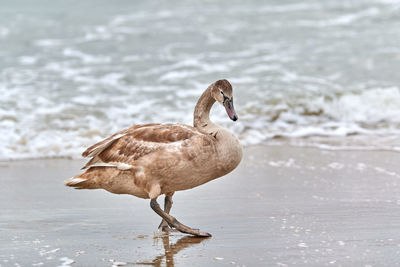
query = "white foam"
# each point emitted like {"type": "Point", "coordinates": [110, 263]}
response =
{"type": "Point", "coordinates": [86, 58]}
{"type": "Point", "coordinates": [302, 245]}
{"type": "Point", "coordinates": [44, 252]}
{"type": "Point", "coordinates": [117, 263]}
{"type": "Point", "coordinates": [65, 262]}
{"type": "Point", "coordinates": [343, 19]}
{"type": "Point", "coordinates": [175, 76]}
{"type": "Point", "coordinates": [384, 171]}
{"type": "Point", "coordinates": [336, 165]}
{"type": "Point", "coordinates": [368, 106]}
{"type": "Point", "coordinates": [27, 60]}
{"type": "Point", "coordinates": [4, 31]}
{"type": "Point", "coordinates": [48, 42]}
{"type": "Point", "coordinates": [67, 92]}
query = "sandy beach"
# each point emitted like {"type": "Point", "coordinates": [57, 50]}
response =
{"type": "Point", "coordinates": [283, 206]}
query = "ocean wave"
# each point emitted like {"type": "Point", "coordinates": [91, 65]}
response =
{"type": "Point", "coordinates": [65, 131]}
{"type": "Point", "coordinates": [299, 76]}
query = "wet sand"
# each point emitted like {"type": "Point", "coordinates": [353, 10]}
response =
{"type": "Point", "coordinates": [283, 206]}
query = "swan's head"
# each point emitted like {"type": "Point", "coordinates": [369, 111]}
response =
{"type": "Point", "coordinates": [222, 93]}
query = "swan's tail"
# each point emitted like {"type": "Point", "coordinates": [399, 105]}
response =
{"type": "Point", "coordinates": [79, 182]}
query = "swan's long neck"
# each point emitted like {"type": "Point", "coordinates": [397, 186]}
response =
{"type": "Point", "coordinates": [202, 109]}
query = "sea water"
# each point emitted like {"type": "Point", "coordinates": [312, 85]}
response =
{"type": "Point", "coordinates": [322, 73]}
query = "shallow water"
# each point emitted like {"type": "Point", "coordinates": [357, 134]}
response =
{"type": "Point", "coordinates": [74, 72]}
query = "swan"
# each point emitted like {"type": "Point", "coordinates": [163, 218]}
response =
{"type": "Point", "coordinates": [156, 159]}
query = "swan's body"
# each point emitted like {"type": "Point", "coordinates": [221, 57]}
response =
{"type": "Point", "coordinates": [154, 159]}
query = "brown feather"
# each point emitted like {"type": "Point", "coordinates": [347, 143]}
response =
{"type": "Point", "coordinates": [130, 144]}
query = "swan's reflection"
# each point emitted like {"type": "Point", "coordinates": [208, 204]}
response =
{"type": "Point", "coordinates": [170, 249]}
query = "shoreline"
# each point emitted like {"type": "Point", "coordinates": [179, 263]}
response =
{"type": "Point", "coordinates": [293, 143]}
{"type": "Point", "coordinates": [282, 206]}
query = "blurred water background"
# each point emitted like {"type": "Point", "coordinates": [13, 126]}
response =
{"type": "Point", "coordinates": [321, 73]}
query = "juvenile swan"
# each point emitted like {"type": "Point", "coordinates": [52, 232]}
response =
{"type": "Point", "coordinates": [149, 160]}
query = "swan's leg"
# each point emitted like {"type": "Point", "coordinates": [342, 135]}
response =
{"type": "Point", "coordinates": [164, 227]}
{"type": "Point", "coordinates": [174, 222]}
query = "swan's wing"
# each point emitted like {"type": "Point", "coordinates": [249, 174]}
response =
{"type": "Point", "coordinates": [99, 147]}
{"type": "Point", "coordinates": [125, 147]}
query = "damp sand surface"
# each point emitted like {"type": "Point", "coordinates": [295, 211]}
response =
{"type": "Point", "coordinates": [283, 206]}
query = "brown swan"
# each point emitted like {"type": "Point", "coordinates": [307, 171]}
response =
{"type": "Point", "coordinates": [149, 160]}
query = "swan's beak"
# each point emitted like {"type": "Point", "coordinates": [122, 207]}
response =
{"type": "Point", "coordinates": [228, 104]}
